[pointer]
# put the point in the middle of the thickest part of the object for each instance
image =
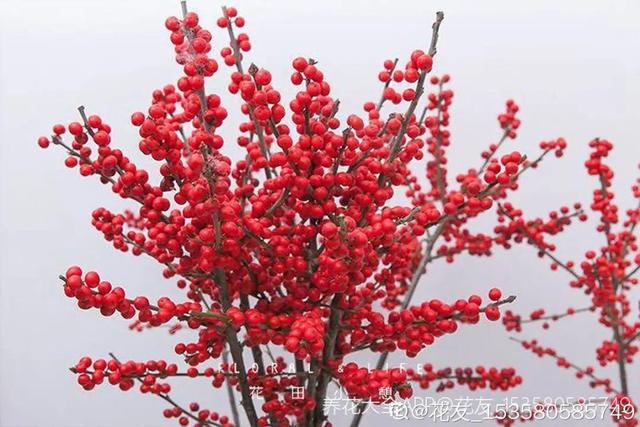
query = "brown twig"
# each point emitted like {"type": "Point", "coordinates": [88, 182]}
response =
{"type": "Point", "coordinates": [230, 393]}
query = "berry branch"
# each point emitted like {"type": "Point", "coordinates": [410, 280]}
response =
{"type": "Point", "coordinates": [301, 244]}
{"type": "Point", "coordinates": [181, 409]}
{"type": "Point", "coordinates": [564, 363]}
{"type": "Point", "coordinates": [603, 275]}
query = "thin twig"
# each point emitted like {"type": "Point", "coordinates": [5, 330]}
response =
{"type": "Point", "coordinates": [230, 393]}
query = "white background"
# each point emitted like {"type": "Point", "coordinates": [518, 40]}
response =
{"type": "Point", "coordinates": [572, 66]}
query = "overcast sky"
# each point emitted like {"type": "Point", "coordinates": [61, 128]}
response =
{"type": "Point", "coordinates": [572, 66]}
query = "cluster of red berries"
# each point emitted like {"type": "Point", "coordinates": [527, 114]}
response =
{"type": "Point", "coordinates": [306, 337]}
{"type": "Point", "coordinates": [474, 378]}
{"type": "Point", "coordinates": [301, 244]}
{"type": "Point", "coordinates": [605, 276]}
{"type": "Point", "coordinates": [125, 374]}
{"type": "Point", "coordinates": [608, 352]}
{"type": "Point", "coordinates": [586, 372]}
{"type": "Point", "coordinates": [414, 328]}
{"type": "Point", "coordinates": [91, 292]}
{"type": "Point", "coordinates": [373, 384]}
{"type": "Point", "coordinates": [202, 417]}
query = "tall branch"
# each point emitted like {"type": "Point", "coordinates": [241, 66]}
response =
{"type": "Point", "coordinates": [395, 149]}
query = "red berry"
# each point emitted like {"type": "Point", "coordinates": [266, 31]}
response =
{"type": "Point", "coordinates": [43, 142]}
{"type": "Point", "coordinates": [495, 294]}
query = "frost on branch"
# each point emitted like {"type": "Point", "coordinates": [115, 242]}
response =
{"type": "Point", "coordinates": [297, 250]}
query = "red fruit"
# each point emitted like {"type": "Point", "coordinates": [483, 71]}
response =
{"type": "Point", "coordinates": [43, 142]}
{"type": "Point", "coordinates": [492, 312]}
{"type": "Point", "coordinates": [424, 62]}
{"type": "Point", "coordinates": [262, 77]}
{"type": "Point", "coordinates": [191, 19]}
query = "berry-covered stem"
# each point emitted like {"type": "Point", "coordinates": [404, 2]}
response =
{"type": "Point", "coordinates": [490, 156]}
{"type": "Point", "coordinates": [238, 62]}
{"type": "Point", "coordinates": [168, 399]}
{"type": "Point", "coordinates": [555, 317]}
{"type": "Point", "coordinates": [563, 362]}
